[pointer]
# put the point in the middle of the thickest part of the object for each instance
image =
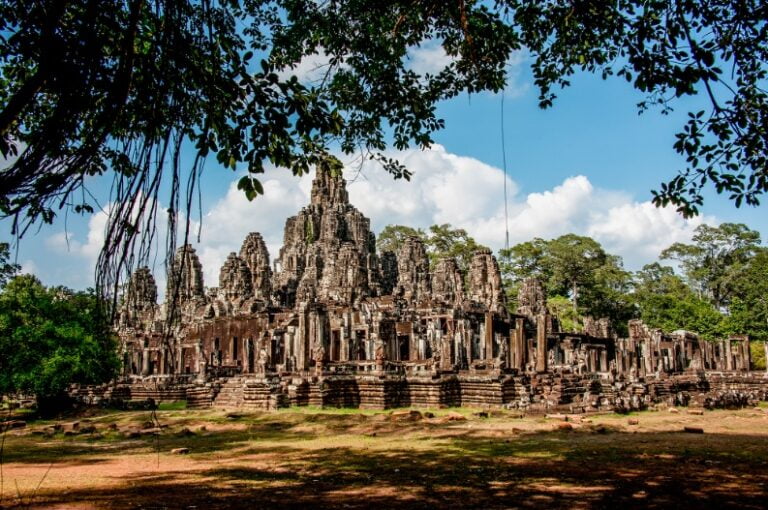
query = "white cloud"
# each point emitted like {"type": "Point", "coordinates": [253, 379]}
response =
{"type": "Point", "coordinates": [468, 193]}
{"type": "Point", "coordinates": [517, 86]}
{"type": "Point", "coordinates": [62, 242]}
{"type": "Point", "coordinates": [640, 231]}
{"type": "Point", "coordinates": [429, 58]}
{"type": "Point", "coordinates": [311, 69]}
{"type": "Point", "coordinates": [29, 267]}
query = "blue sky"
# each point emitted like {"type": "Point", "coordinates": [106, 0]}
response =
{"type": "Point", "coordinates": [586, 166]}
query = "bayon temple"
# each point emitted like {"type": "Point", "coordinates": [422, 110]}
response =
{"type": "Point", "coordinates": [334, 323]}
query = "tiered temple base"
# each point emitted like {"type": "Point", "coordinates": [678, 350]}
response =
{"type": "Point", "coordinates": [540, 393]}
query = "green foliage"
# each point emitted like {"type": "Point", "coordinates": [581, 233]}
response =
{"type": "Point", "coordinates": [748, 313]}
{"type": "Point", "coordinates": [7, 269]}
{"type": "Point", "coordinates": [665, 301]}
{"type": "Point", "coordinates": [440, 242]}
{"type": "Point", "coordinates": [444, 241]}
{"type": "Point", "coordinates": [562, 308]}
{"type": "Point", "coordinates": [51, 338]}
{"type": "Point", "coordinates": [757, 351]}
{"type": "Point", "coordinates": [392, 237]}
{"type": "Point", "coordinates": [573, 266]}
{"type": "Point", "coordinates": [724, 290]}
{"type": "Point", "coordinates": [716, 260]}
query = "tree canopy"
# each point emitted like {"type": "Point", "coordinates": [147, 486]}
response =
{"type": "Point", "coordinates": [716, 259]}
{"type": "Point", "coordinates": [128, 90]}
{"type": "Point", "coordinates": [664, 301]}
{"type": "Point", "coordinates": [393, 236]}
{"type": "Point", "coordinates": [51, 338]}
{"type": "Point", "coordinates": [573, 267]}
{"type": "Point", "coordinates": [441, 241]}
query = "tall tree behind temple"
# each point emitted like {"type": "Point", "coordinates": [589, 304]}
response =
{"type": "Point", "coordinates": [573, 267]}
{"type": "Point", "coordinates": [666, 302]}
{"type": "Point", "coordinates": [748, 309]}
{"type": "Point", "coordinates": [392, 237]}
{"type": "Point", "coordinates": [441, 241]}
{"type": "Point", "coordinates": [716, 259]}
{"type": "Point", "coordinates": [446, 241]}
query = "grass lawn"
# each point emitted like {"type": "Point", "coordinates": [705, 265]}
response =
{"type": "Point", "coordinates": [309, 457]}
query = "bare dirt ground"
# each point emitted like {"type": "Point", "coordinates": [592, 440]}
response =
{"type": "Point", "coordinates": [301, 458]}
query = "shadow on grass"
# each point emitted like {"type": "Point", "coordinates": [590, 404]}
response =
{"type": "Point", "coordinates": [576, 469]}
{"type": "Point", "coordinates": [83, 449]}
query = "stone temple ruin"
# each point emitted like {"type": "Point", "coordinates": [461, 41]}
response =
{"type": "Point", "coordinates": [334, 323]}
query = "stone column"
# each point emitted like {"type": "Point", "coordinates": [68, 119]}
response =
{"type": "Point", "coordinates": [302, 342]}
{"type": "Point", "coordinates": [352, 345]}
{"type": "Point", "coordinates": [320, 331]}
{"type": "Point", "coordinates": [747, 354]}
{"type": "Point", "coordinates": [520, 343]}
{"type": "Point", "coordinates": [728, 356]}
{"type": "Point", "coordinates": [698, 356]}
{"type": "Point", "coordinates": [653, 348]}
{"type": "Point", "coordinates": [445, 354]}
{"type": "Point", "coordinates": [343, 344]}
{"type": "Point", "coordinates": [311, 338]}
{"type": "Point", "coordinates": [706, 354]}
{"type": "Point", "coordinates": [488, 335]}
{"type": "Point", "coordinates": [541, 343]}
{"type": "Point", "coordinates": [145, 362]}
{"type": "Point", "coordinates": [719, 357]}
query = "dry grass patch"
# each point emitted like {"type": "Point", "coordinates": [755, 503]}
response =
{"type": "Point", "coordinates": [349, 459]}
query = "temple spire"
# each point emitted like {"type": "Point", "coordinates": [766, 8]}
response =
{"type": "Point", "coordinates": [328, 187]}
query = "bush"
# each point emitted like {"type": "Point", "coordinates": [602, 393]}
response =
{"type": "Point", "coordinates": [51, 338]}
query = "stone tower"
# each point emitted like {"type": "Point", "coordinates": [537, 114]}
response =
{"type": "Point", "coordinates": [413, 281]}
{"type": "Point", "coordinates": [235, 279]}
{"type": "Point", "coordinates": [140, 298]}
{"type": "Point", "coordinates": [485, 281]}
{"type": "Point", "coordinates": [531, 299]}
{"type": "Point", "coordinates": [332, 241]}
{"type": "Point", "coordinates": [185, 278]}
{"type": "Point", "coordinates": [447, 282]}
{"type": "Point", "coordinates": [255, 255]}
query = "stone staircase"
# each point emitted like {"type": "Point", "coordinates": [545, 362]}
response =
{"type": "Point", "coordinates": [200, 397]}
{"type": "Point", "coordinates": [229, 394]}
